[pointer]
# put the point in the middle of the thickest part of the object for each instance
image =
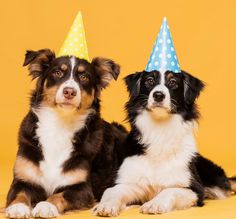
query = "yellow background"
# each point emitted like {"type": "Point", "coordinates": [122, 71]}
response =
{"type": "Point", "coordinates": [204, 34]}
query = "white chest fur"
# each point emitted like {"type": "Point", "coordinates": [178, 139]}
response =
{"type": "Point", "coordinates": [55, 137]}
{"type": "Point", "coordinates": [170, 148]}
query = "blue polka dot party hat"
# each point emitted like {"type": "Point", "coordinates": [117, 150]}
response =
{"type": "Point", "coordinates": [163, 57]}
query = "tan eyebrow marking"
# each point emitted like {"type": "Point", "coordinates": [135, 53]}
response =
{"type": "Point", "coordinates": [170, 75]}
{"type": "Point", "coordinates": [81, 68]}
{"type": "Point", "coordinates": [64, 67]}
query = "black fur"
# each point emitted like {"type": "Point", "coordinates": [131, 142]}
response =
{"type": "Point", "coordinates": [35, 192]}
{"type": "Point", "coordinates": [97, 148]}
{"type": "Point", "coordinates": [183, 92]}
{"type": "Point", "coordinates": [183, 95]}
{"type": "Point", "coordinates": [30, 145]}
{"type": "Point", "coordinates": [196, 183]}
{"type": "Point", "coordinates": [211, 174]}
{"type": "Point", "coordinates": [78, 200]}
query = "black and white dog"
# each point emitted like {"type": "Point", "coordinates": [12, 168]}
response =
{"type": "Point", "coordinates": [67, 154]}
{"type": "Point", "coordinates": [163, 170]}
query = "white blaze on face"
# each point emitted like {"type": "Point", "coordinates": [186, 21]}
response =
{"type": "Point", "coordinates": [71, 83]}
{"type": "Point", "coordinates": [161, 109]}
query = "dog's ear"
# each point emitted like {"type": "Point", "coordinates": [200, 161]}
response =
{"type": "Point", "coordinates": [106, 69]}
{"type": "Point", "coordinates": [38, 61]}
{"type": "Point", "coordinates": [192, 88]}
{"type": "Point", "coordinates": [133, 82]}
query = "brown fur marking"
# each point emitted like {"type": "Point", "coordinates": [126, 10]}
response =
{"type": "Point", "coordinates": [170, 76]}
{"type": "Point", "coordinates": [76, 176]}
{"type": "Point", "coordinates": [86, 100]}
{"type": "Point", "coordinates": [107, 69]}
{"type": "Point", "coordinates": [49, 95]}
{"type": "Point", "coordinates": [21, 198]}
{"type": "Point", "coordinates": [35, 67]}
{"type": "Point", "coordinates": [59, 201]}
{"type": "Point", "coordinates": [36, 64]}
{"type": "Point", "coordinates": [81, 68]}
{"type": "Point", "coordinates": [64, 67]}
{"type": "Point", "coordinates": [26, 170]}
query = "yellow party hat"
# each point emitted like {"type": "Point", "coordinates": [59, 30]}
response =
{"type": "Point", "coordinates": [75, 42]}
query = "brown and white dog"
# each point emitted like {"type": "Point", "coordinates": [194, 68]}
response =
{"type": "Point", "coordinates": [66, 153]}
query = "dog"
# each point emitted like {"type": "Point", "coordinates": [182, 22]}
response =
{"type": "Point", "coordinates": [66, 153]}
{"type": "Point", "coordinates": [163, 170]}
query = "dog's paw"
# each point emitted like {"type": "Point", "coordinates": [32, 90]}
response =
{"type": "Point", "coordinates": [106, 210]}
{"type": "Point", "coordinates": [156, 206]}
{"type": "Point", "coordinates": [18, 210]}
{"type": "Point", "coordinates": [45, 210]}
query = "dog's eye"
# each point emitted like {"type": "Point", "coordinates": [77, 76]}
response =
{"type": "Point", "coordinates": [58, 74]}
{"type": "Point", "coordinates": [172, 83]}
{"type": "Point", "coordinates": [83, 77]}
{"type": "Point", "coordinates": [150, 82]}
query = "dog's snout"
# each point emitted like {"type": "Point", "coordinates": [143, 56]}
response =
{"type": "Point", "coordinates": [158, 96]}
{"type": "Point", "coordinates": [69, 92]}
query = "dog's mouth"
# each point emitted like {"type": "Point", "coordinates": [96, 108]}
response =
{"type": "Point", "coordinates": [158, 105]}
{"type": "Point", "coordinates": [67, 104]}
{"type": "Point", "coordinates": [159, 112]}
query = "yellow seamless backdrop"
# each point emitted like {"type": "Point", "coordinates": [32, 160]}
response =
{"type": "Point", "coordinates": [204, 33]}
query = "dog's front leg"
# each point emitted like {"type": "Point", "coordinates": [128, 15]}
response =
{"type": "Point", "coordinates": [19, 207]}
{"type": "Point", "coordinates": [170, 199]}
{"type": "Point", "coordinates": [116, 198]}
{"type": "Point", "coordinates": [21, 197]}
{"type": "Point", "coordinates": [74, 197]}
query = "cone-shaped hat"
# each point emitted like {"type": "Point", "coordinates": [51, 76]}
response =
{"type": "Point", "coordinates": [75, 42]}
{"type": "Point", "coordinates": [163, 57]}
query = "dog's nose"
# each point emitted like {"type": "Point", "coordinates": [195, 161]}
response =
{"type": "Point", "coordinates": [69, 92]}
{"type": "Point", "coordinates": [158, 96]}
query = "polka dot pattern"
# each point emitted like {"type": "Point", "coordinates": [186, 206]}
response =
{"type": "Point", "coordinates": [163, 57]}
{"type": "Point", "coordinates": [75, 42]}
